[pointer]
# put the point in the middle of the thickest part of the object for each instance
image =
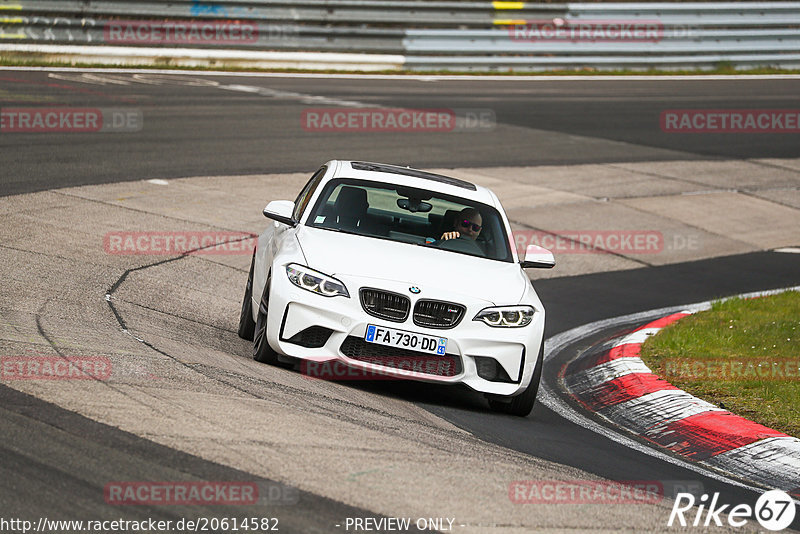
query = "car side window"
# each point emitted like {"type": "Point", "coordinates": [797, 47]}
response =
{"type": "Point", "coordinates": [306, 194]}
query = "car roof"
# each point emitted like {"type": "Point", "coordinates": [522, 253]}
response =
{"type": "Point", "coordinates": [399, 175]}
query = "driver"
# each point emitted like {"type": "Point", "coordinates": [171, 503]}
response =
{"type": "Point", "coordinates": [467, 224]}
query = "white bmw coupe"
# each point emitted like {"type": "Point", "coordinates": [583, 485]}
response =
{"type": "Point", "coordinates": [398, 273]}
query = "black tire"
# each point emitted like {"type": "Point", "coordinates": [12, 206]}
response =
{"type": "Point", "coordinates": [262, 352]}
{"type": "Point", "coordinates": [247, 326]}
{"type": "Point", "coordinates": [521, 405]}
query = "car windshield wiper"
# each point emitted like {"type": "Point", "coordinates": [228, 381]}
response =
{"type": "Point", "coordinates": [350, 232]}
{"type": "Point", "coordinates": [339, 230]}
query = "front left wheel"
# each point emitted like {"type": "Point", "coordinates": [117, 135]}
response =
{"type": "Point", "coordinates": [262, 352]}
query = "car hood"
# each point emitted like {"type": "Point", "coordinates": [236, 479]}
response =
{"type": "Point", "coordinates": [432, 270]}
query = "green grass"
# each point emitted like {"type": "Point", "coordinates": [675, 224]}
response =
{"type": "Point", "coordinates": [722, 68]}
{"type": "Point", "coordinates": [742, 355]}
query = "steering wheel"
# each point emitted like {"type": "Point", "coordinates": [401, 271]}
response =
{"type": "Point", "coordinates": [461, 244]}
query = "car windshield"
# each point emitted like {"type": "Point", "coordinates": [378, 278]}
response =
{"type": "Point", "coordinates": [410, 215]}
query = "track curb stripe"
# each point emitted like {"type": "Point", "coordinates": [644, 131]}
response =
{"type": "Point", "coordinates": [650, 414]}
{"type": "Point", "coordinates": [617, 385]}
{"type": "Point", "coordinates": [599, 375]}
{"type": "Point", "coordinates": [772, 462]}
{"type": "Point", "coordinates": [627, 346]}
{"type": "Point", "coordinates": [621, 389]}
{"type": "Point", "coordinates": [707, 434]}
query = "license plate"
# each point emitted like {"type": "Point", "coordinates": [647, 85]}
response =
{"type": "Point", "coordinates": [405, 340]}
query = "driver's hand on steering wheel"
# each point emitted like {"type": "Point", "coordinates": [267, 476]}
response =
{"type": "Point", "coordinates": [450, 235]}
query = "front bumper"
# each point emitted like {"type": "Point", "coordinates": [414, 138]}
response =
{"type": "Point", "coordinates": [293, 310]}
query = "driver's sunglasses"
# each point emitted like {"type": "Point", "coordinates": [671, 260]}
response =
{"type": "Point", "coordinates": [475, 227]}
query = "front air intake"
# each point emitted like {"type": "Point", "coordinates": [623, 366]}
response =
{"type": "Point", "coordinates": [356, 348]}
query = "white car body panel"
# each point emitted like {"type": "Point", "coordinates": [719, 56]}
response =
{"type": "Point", "coordinates": [334, 254]}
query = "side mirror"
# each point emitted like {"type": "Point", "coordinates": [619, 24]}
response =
{"type": "Point", "coordinates": [537, 257]}
{"type": "Point", "coordinates": [281, 211]}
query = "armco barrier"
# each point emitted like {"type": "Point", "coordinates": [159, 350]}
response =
{"type": "Point", "coordinates": [395, 13]}
{"type": "Point", "coordinates": [454, 35]}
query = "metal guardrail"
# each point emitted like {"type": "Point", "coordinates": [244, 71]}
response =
{"type": "Point", "coordinates": [53, 30]}
{"type": "Point", "coordinates": [460, 35]}
{"type": "Point", "coordinates": [393, 13]}
{"type": "Point", "coordinates": [545, 63]}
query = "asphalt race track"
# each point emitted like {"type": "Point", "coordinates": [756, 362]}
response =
{"type": "Point", "coordinates": [196, 128]}
{"type": "Point", "coordinates": [60, 450]}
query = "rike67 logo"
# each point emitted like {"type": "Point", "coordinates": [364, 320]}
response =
{"type": "Point", "coordinates": [774, 510]}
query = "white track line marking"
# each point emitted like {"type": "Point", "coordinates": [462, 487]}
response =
{"type": "Point", "coordinates": [91, 78]}
{"type": "Point", "coordinates": [178, 79]}
{"type": "Point", "coordinates": [242, 88]}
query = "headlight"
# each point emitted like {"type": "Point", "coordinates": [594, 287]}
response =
{"type": "Point", "coordinates": [314, 281]}
{"type": "Point", "coordinates": [506, 316]}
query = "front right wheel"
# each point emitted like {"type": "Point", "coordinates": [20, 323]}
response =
{"type": "Point", "coordinates": [521, 405]}
{"type": "Point", "coordinates": [262, 352]}
{"type": "Point", "coordinates": [247, 326]}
